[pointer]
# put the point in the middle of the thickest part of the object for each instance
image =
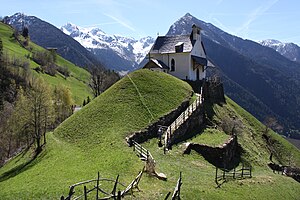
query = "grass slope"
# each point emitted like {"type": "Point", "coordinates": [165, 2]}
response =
{"type": "Point", "coordinates": [77, 82]}
{"type": "Point", "coordinates": [93, 139]}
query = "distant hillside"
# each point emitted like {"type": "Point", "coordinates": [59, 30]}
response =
{"type": "Point", "coordinates": [93, 139]}
{"type": "Point", "coordinates": [47, 35]}
{"type": "Point", "coordinates": [256, 77]}
{"type": "Point", "coordinates": [77, 80]}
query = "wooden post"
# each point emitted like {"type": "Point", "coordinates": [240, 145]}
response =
{"type": "Point", "coordinates": [85, 192]}
{"type": "Point", "coordinates": [119, 195]}
{"type": "Point", "coordinates": [179, 186]}
{"type": "Point", "coordinates": [216, 178]}
{"type": "Point", "coordinates": [133, 146]}
{"type": "Point", "coordinates": [234, 173]}
{"type": "Point", "coordinates": [243, 171]}
{"type": "Point", "coordinates": [113, 192]}
{"type": "Point", "coordinates": [147, 155]}
{"type": "Point", "coordinates": [97, 188]}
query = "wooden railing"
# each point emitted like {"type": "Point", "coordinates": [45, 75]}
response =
{"type": "Point", "coordinates": [141, 151]}
{"type": "Point", "coordinates": [107, 195]}
{"type": "Point", "coordinates": [181, 119]}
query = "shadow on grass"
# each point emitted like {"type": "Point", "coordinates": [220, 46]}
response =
{"type": "Point", "coordinates": [23, 166]}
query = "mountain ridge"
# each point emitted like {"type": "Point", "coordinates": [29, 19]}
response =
{"type": "Point", "coordinates": [287, 49]}
{"type": "Point", "coordinates": [96, 40]}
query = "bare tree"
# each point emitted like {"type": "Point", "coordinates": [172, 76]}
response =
{"type": "Point", "coordinates": [41, 110]}
{"type": "Point", "coordinates": [101, 80]}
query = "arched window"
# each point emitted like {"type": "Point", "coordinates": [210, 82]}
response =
{"type": "Point", "coordinates": [172, 65]}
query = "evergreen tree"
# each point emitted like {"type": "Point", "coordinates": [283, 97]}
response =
{"type": "Point", "coordinates": [25, 32]}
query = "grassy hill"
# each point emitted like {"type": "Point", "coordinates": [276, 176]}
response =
{"type": "Point", "coordinates": [93, 139]}
{"type": "Point", "coordinates": [77, 82]}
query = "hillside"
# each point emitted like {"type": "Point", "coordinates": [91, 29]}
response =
{"type": "Point", "coordinates": [47, 35]}
{"type": "Point", "coordinates": [93, 139]}
{"type": "Point", "coordinates": [76, 82]}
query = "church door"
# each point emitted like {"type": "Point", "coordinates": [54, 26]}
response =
{"type": "Point", "coordinates": [197, 74]}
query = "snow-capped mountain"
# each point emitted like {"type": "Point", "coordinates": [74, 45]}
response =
{"type": "Point", "coordinates": [289, 50]}
{"type": "Point", "coordinates": [94, 39]}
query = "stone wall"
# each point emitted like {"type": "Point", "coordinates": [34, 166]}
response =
{"type": "Point", "coordinates": [151, 130]}
{"type": "Point", "coordinates": [189, 127]}
{"type": "Point", "coordinates": [222, 156]}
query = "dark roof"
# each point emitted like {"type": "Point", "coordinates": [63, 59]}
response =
{"type": "Point", "coordinates": [157, 63]}
{"type": "Point", "coordinates": [200, 60]}
{"type": "Point", "coordinates": [166, 44]}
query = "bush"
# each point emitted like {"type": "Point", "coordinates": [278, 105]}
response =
{"type": "Point", "coordinates": [64, 71]}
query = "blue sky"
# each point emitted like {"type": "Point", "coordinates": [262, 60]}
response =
{"type": "Point", "coordinates": [255, 19]}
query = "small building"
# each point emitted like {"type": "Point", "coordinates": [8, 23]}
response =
{"type": "Point", "coordinates": [182, 56]}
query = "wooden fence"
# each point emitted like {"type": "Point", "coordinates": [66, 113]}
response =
{"type": "Point", "coordinates": [141, 151]}
{"type": "Point", "coordinates": [233, 174]}
{"type": "Point", "coordinates": [176, 192]}
{"type": "Point", "coordinates": [181, 119]}
{"type": "Point", "coordinates": [107, 195]}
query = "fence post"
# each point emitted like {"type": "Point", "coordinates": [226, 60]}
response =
{"type": "Point", "coordinates": [115, 186]}
{"type": "Point", "coordinates": [97, 188]}
{"type": "Point", "coordinates": [85, 192]}
{"type": "Point", "coordinates": [179, 186]}
{"type": "Point", "coordinates": [234, 173]}
{"type": "Point", "coordinates": [216, 178]}
{"type": "Point", "coordinates": [243, 171]}
{"type": "Point", "coordinates": [133, 145]}
{"type": "Point", "coordinates": [119, 195]}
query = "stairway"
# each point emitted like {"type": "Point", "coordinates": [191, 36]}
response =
{"type": "Point", "coordinates": [180, 120]}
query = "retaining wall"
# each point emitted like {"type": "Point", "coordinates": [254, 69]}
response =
{"type": "Point", "coordinates": [221, 156]}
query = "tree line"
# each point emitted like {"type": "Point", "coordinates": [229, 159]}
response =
{"type": "Point", "coordinates": [29, 108]}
